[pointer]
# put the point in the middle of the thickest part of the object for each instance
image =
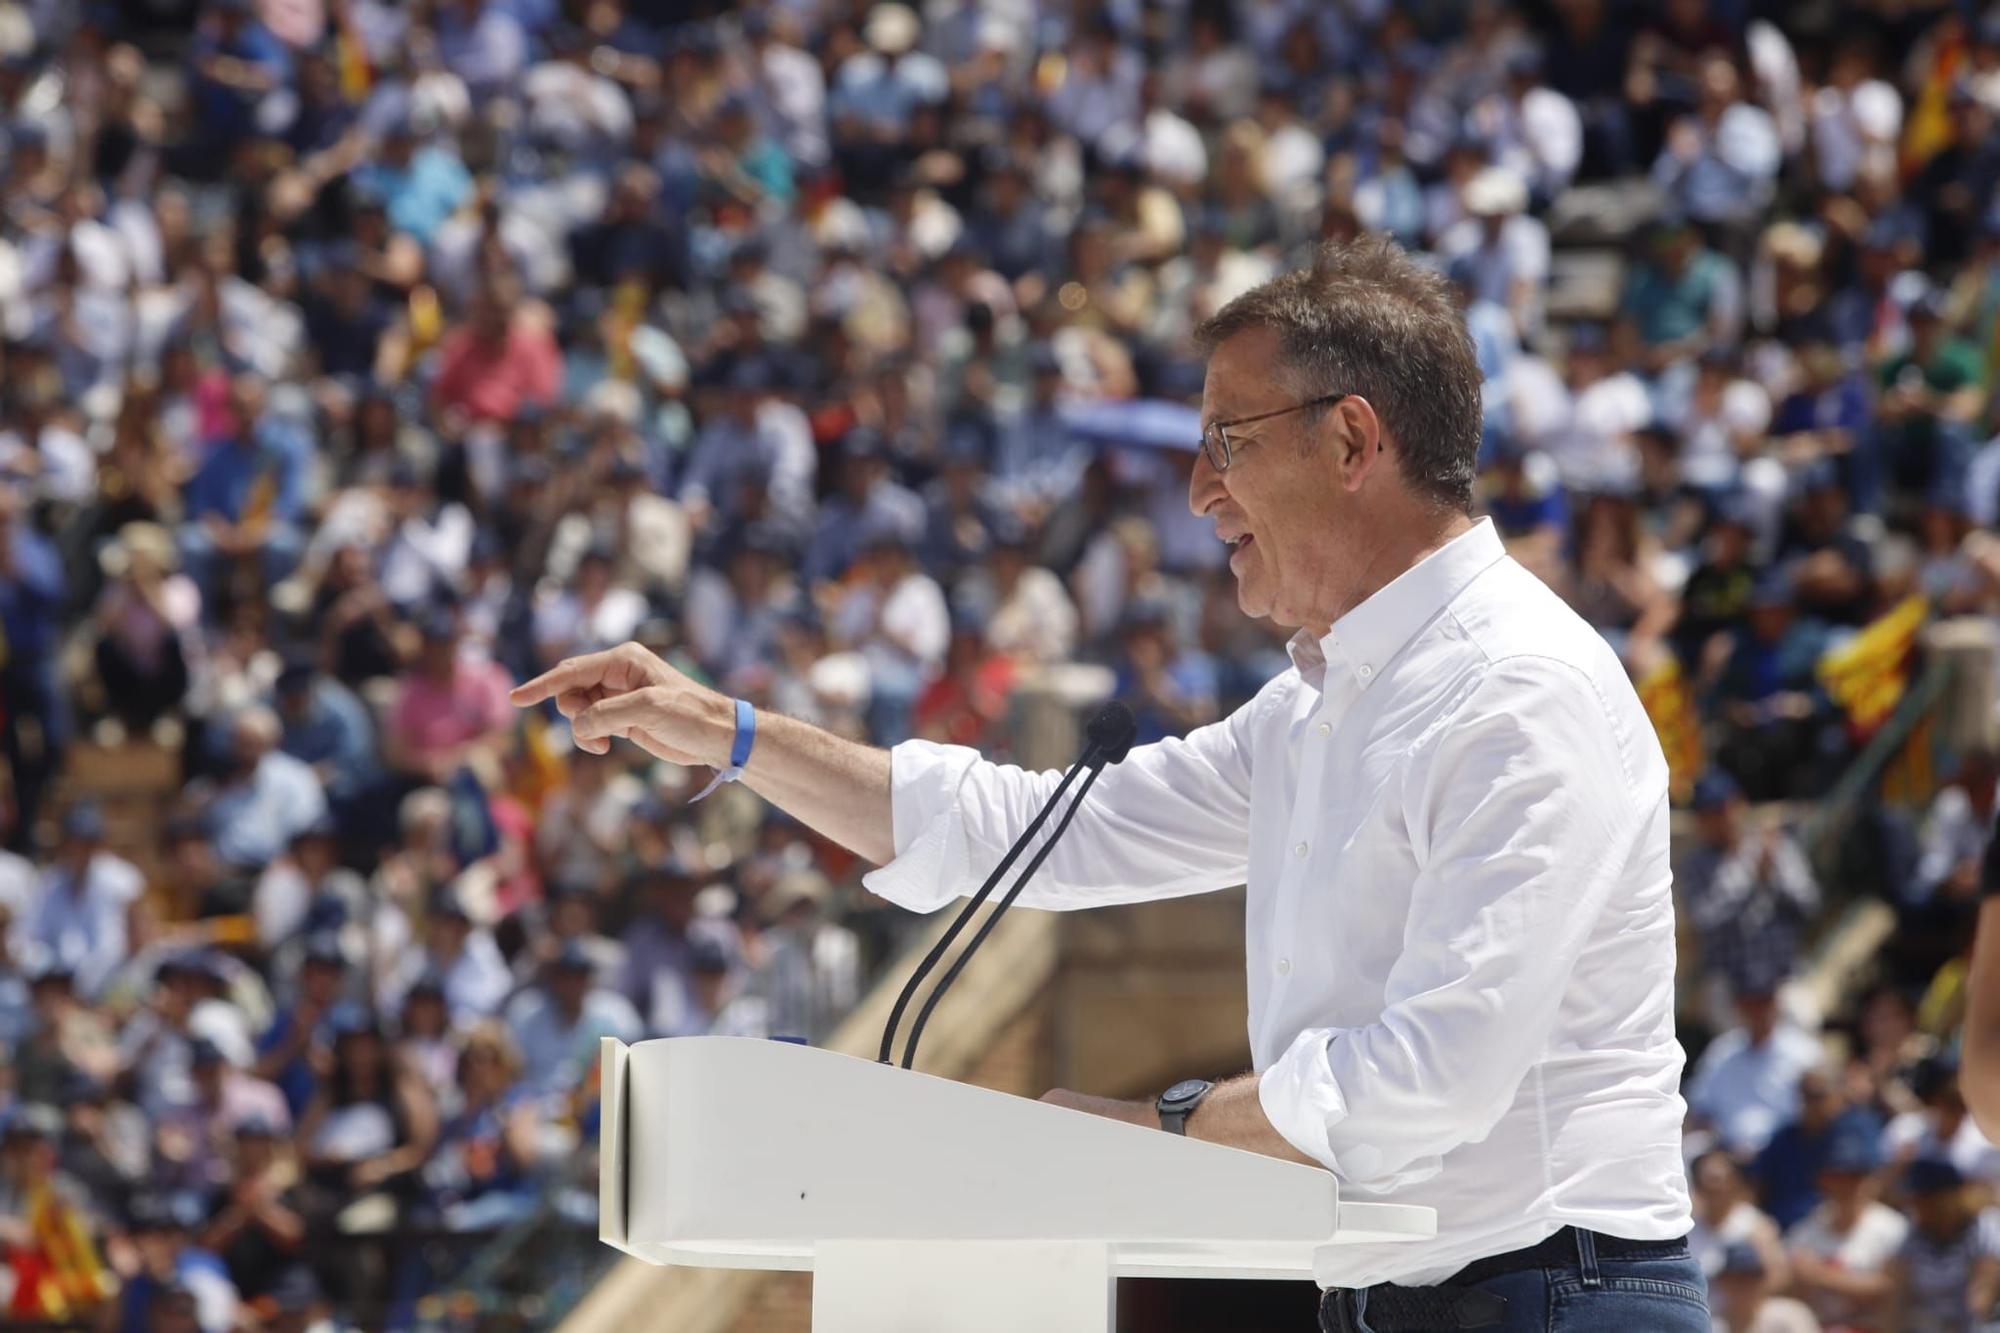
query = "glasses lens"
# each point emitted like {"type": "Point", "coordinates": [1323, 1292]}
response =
{"type": "Point", "coordinates": [1216, 445]}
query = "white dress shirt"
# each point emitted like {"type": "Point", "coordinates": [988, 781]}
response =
{"type": "Point", "coordinates": [1452, 819]}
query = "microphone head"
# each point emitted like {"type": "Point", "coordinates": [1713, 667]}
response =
{"type": "Point", "coordinates": [1111, 729]}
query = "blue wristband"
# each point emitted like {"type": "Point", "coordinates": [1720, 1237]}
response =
{"type": "Point", "coordinates": [739, 753]}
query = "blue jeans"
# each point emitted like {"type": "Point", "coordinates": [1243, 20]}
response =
{"type": "Point", "coordinates": [1582, 1294]}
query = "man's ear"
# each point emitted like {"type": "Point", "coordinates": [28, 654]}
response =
{"type": "Point", "coordinates": [1356, 439]}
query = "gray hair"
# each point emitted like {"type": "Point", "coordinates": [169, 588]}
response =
{"type": "Point", "coordinates": [1367, 319]}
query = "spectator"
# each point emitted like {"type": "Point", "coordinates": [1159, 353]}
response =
{"type": "Point", "coordinates": [450, 711]}
{"type": "Point", "coordinates": [254, 1225]}
{"type": "Point", "coordinates": [368, 1127]}
{"type": "Point", "coordinates": [1725, 1217]}
{"type": "Point", "coordinates": [1842, 1253]}
{"type": "Point", "coordinates": [1746, 1083]}
{"type": "Point", "coordinates": [265, 799]}
{"type": "Point", "coordinates": [462, 954]}
{"type": "Point", "coordinates": [143, 615]}
{"type": "Point", "coordinates": [1748, 893]}
{"type": "Point", "coordinates": [84, 906]}
{"type": "Point", "coordinates": [1788, 1169]}
{"type": "Point", "coordinates": [488, 1150]}
{"type": "Point", "coordinates": [809, 974]}
{"type": "Point", "coordinates": [165, 1267]}
{"type": "Point", "coordinates": [502, 360]}
{"type": "Point", "coordinates": [558, 1024]}
{"type": "Point", "coordinates": [1940, 1128]}
{"type": "Point", "coordinates": [1741, 1293]}
{"type": "Point", "coordinates": [1947, 1274]}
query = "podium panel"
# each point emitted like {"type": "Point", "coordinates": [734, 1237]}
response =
{"type": "Point", "coordinates": [903, 1192]}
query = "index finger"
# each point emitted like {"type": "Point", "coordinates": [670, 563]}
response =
{"type": "Point", "coordinates": [577, 673]}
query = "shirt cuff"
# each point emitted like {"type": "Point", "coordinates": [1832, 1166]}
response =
{"type": "Point", "coordinates": [926, 829]}
{"type": "Point", "coordinates": [1300, 1098]}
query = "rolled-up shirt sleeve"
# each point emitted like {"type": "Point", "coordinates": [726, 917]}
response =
{"type": "Point", "coordinates": [1172, 819]}
{"type": "Point", "coordinates": [1522, 817]}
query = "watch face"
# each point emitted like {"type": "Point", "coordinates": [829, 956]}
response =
{"type": "Point", "coordinates": [1185, 1089]}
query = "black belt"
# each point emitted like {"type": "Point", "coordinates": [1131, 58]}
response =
{"type": "Point", "coordinates": [1456, 1302]}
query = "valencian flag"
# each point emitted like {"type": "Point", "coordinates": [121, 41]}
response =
{"type": "Point", "coordinates": [1868, 674]}
{"type": "Point", "coordinates": [1669, 703]}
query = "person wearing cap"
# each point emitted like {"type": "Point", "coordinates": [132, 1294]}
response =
{"type": "Point", "coordinates": [1743, 1290]}
{"type": "Point", "coordinates": [65, 1036]}
{"type": "Point", "coordinates": [724, 1004]}
{"type": "Point", "coordinates": [756, 432]}
{"type": "Point", "coordinates": [1787, 1169]}
{"type": "Point", "coordinates": [895, 615]}
{"type": "Point", "coordinates": [735, 605]}
{"type": "Point", "coordinates": [1940, 1126]}
{"type": "Point", "coordinates": [1504, 247]}
{"type": "Point", "coordinates": [457, 949]}
{"type": "Point", "coordinates": [1726, 1214]}
{"type": "Point", "coordinates": [809, 975]}
{"type": "Point", "coordinates": [501, 359]}
{"type": "Point", "coordinates": [1681, 296]}
{"type": "Point", "coordinates": [1841, 1253]}
{"type": "Point", "coordinates": [450, 710]}
{"type": "Point", "coordinates": [326, 726]}
{"type": "Point", "coordinates": [866, 498]}
{"type": "Point", "coordinates": [1931, 397]}
{"type": "Point", "coordinates": [1746, 1083]}
{"type": "Point", "coordinates": [1716, 596]}
{"type": "Point", "coordinates": [659, 944]}
{"type": "Point", "coordinates": [288, 1050]}
{"type": "Point", "coordinates": [1947, 1274]}
{"type": "Point", "coordinates": [594, 611]}
{"type": "Point", "coordinates": [255, 1222]}
{"type": "Point", "coordinates": [559, 1022]}
{"type": "Point", "coordinates": [40, 1201]}
{"type": "Point", "coordinates": [1032, 619]}
{"type": "Point", "coordinates": [143, 615]}
{"type": "Point", "coordinates": [166, 1263]}
{"type": "Point", "coordinates": [1750, 892]}
{"type": "Point", "coordinates": [264, 797]}
{"type": "Point", "coordinates": [1496, 1036]}
{"type": "Point", "coordinates": [246, 502]}
{"type": "Point", "coordinates": [580, 835]}
{"type": "Point", "coordinates": [1770, 697]}
{"type": "Point", "coordinates": [82, 910]}
{"type": "Point", "coordinates": [193, 1137]}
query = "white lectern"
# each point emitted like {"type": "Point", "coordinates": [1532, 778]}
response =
{"type": "Point", "coordinates": [927, 1206]}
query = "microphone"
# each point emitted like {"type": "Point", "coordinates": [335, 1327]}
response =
{"type": "Point", "coordinates": [1110, 732]}
{"type": "Point", "coordinates": [1090, 749]}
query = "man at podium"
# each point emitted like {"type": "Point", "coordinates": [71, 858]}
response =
{"type": "Point", "coordinates": [1451, 815]}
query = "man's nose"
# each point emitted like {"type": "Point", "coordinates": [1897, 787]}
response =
{"type": "Point", "coordinates": [1204, 485]}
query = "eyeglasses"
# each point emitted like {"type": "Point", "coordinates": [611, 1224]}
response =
{"type": "Point", "coordinates": [1215, 444]}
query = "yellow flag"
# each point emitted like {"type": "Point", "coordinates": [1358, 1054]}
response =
{"type": "Point", "coordinates": [1663, 692]}
{"type": "Point", "coordinates": [1867, 675]}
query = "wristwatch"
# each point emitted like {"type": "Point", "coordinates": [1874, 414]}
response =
{"type": "Point", "coordinates": [1177, 1103]}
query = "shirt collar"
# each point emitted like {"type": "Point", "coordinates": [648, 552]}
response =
{"type": "Point", "coordinates": [1368, 637]}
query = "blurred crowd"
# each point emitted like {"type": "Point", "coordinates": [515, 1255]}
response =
{"type": "Point", "coordinates": [359, 358]}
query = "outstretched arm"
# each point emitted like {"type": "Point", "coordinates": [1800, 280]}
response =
{"type": "Point", "coordinates": [836, 787]}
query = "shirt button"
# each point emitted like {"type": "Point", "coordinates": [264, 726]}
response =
{"type": "Point", "coordinates": [1283, 967]}
{"type": "Point", "coordinates": [1367, 671]}
{"type": "Point", "coordinates": [1299, 850]}
{"type": "Point", "coordinates": [1326, 728]}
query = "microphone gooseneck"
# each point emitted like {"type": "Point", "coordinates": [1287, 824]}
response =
{"type": "Point", "coordinates": [1110, 732]}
